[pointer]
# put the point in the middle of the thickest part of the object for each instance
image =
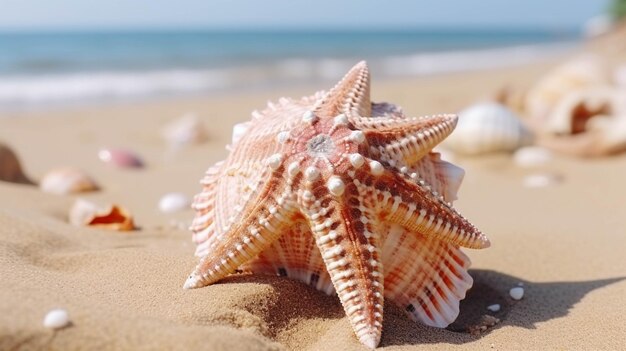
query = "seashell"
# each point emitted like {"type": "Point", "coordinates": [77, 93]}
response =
{"type": "Point", "coordinates": [56, 319]}
{"type": "Point", "coordinates": [120, 158]}
{"type": "Point", "coordinates": [67, 180]}
{"type": "Point", "coordinates": [174, 202]}
{"type": "Point", "coordinates": [541, 180]}
{"type": "Point", "coordinates": [532, 156]}
{"type": "Point", "coordinates": [581, 73]}
{"type": "Point", "coordinates": [588, 123]}
{"type": "Point", "coordinates": [10, 168]}
{"type": "Point", "coordinates": [186, 130]}
{"type": "Point", "coordinates": [485, 128]}
{"type": "Point", "coordinates": [86, 213]}
{"type": "Point", "coordinates": [345, 196]}
{"type": "Point", "coordinates": [494, 308]}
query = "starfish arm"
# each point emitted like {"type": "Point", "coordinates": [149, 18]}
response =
{"type": "Point", "coordinates": [417, 207]}
{"type": "Point", "coordinates": [296, 256]}
{"type": "Point", "coordinates": [350, 246]}
{"type": "Point", "coordinates": [351, 96]}
{"type": "Point", "coordinates": [404, 140]}
{"type": "Point", "coordinates": [426, 277]}
{"type": "Point", "coordinates": [246, 238]}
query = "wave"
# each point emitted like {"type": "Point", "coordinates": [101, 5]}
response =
{"type": "Point", "coordinates": [18, 92]}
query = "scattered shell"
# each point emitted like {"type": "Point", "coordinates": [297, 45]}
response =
{"type": "Point", "coordinates": [573, 113]}
{"type": "Point", "coordinates": [86, 213]}
{"type": "Point", "coordinates": [485, 128]}
{"type": "Point", "coordinates": [588, 123]}
{"type": "Point", "coordinates": [541, 180]}
{"type": "Point", "coordinates": [10, 169]}
{"type": "Point", "coordinates": [517, 293]}
{"type": "Point", "coordinates": [583, 72]}
{"type": "Point", "coordinates": [494, 307]}
{"type": "Point", "coordinates": [120, 158]}
{"type": "Point", "coordinates": [185, 130]}
{"type": "Point", "coordinates": [532, 156]}
{"type": "Point", "coordinates": [56, 319]}
{"type": "Point", "coordinates": [66, 181]}
{"type": "Point", "coordinates": [174, 202]}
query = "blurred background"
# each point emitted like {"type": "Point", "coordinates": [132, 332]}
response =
{"type": "Point", "coordinates": [76, 51]}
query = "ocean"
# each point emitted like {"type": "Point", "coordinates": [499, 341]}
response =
{"type": "Point", "coordinates": [60, 68]}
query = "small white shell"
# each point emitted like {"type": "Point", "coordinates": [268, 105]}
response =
{"type": "Point", "coordinates": [67, 180]}
{"type": "Point", "coordinates": [582, 72]}
{"type": "Point", "coordinates": [485, 128]}
{"type": "Point", "coordinates": [185, 130]}
{"type": "Point", "coordinates": [174, 202]}
{"type": "Point", "coordinates": [516, 293]}
{"type": "Point", "coordinates": [540, 180]}
{"type": "Point", "coordinates": [532, 156]}
{"type": "Point", "coordinates": [56, 319]}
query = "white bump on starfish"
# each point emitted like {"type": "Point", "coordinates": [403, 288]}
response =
{"type": "Point", "coordinates": [341, 119]}
{"type": "Point", "coordinates": [282, 137]}
{"type": "Point", "coordinates": [293, 169]}
{"type": "Point", "coordinates": [311, 173]}
{"type": "Point", "coordinates": [376, 168]}
{"type": "Point", "coordinates": [358, 136]}
{"type": "Point", "coordinates": [336, 186]}
{"type": "Point", "coordinates": [356, 160]}
{"type": "Point", "coordinates": [309, 117]}
{"type": "Point", "coordinates": [274, 161]}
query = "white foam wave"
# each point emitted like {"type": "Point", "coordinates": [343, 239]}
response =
{"type": "Point", "coordinates": [28, 91]}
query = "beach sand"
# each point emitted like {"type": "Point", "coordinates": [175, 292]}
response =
{"type": "Point", "coordinates": [123, 290]}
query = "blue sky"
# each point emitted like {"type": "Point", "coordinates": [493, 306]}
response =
{"type": "Point", "coordinates": [117, 14]}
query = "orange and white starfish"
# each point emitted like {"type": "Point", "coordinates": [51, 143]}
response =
{"type": "Point", "coordinates": [344, 195]}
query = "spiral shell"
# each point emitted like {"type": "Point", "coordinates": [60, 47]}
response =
{"type": "Point", "coordinates": [485, 128]}
{"type": "Point", "coordinates": [583, 72]}
{"type": "Point", "coordinates": [67, 180]}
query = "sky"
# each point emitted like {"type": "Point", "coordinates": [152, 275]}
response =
{"type": "Point", "coordinates": [319, 14]}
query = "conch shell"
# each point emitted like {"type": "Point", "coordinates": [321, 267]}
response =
{"type": "Point", "coordinates": [581, 73]}
{"type": "Point", "coordinates": [113, 217]}
{"type": "Point", "coordinates": [486, 128]}
{"type": "Point", "coordinates": [10, 168]}
{"type": "Point", "coordinates": [591, 122]}
{"type": "Point", "coordinates": [67, 180]}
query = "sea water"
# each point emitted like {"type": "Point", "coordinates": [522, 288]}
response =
{"type": "Point", "coordinates": [52, 68]}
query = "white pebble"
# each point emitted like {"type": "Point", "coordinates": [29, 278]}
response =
{"type": "Point", "coordinates": [532, 156]}
{"type": "Point", "coordinates": [174, 202]}
{"type": "Point", "coordinates": [517, 293]}
{"type": "Point", "coordinates": [56, 319]}
{"type": "Point", "coordinates": [540, 180]}
{"type": "Point", "coordinates": [494, 308]}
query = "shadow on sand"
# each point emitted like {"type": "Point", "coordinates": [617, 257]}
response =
{"type": "Point", "coordinates": [541, 302]}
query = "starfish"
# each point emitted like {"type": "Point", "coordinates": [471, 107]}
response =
{"type": "Point", "coordinates": [347, 196]}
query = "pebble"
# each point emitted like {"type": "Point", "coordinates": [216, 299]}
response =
{"type": "Point", "coordinates": [174, 202]}
{"type": "Point", "coordinates": [532, 156]}
{"type": "Point", "coordinates": [494, 307]}
{"type": "Point", "coordinates": [517, 293]}
{"type": "Point", "coordinates": [56, 319]}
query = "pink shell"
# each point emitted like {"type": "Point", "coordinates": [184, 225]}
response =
{"type": "Point", "coordinates": [120, 158]}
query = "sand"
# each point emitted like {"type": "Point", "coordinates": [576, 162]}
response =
{"type": "Point", "coordinates": [123, 291]}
